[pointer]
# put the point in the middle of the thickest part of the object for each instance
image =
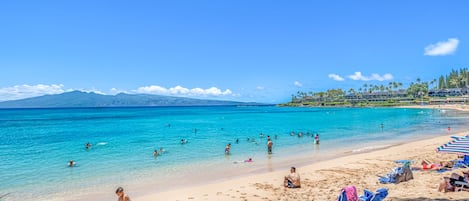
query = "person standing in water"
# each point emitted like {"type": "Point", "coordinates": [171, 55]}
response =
{"type": "Point", "coordinates": [316, 138]}
{"type": "Point", "coordinates": [228, 148]}
{"type": "Point", "coordinates": [121, 195]}
{"type": "Point", "coordinates": [269, 146]}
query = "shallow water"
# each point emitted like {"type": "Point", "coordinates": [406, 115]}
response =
{"type": "Point", "coordinates": [36, 144]}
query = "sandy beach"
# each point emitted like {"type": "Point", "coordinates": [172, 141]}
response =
{"type": "Point", "coordinates": [323, 180]}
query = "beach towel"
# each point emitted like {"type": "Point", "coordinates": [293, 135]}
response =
{"type": "Point", "coordinates": [368, 195]}
{"type": "Point", "coordinates": [378, 196]}
{"type": "Point", "coordinates": [349, 193]}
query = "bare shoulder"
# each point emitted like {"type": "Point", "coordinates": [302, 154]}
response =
{"type": "Point", "coordinates": [126, 198]}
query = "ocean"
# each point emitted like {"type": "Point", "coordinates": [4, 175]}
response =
{"type": "Point", "coordinates": [36, 144]}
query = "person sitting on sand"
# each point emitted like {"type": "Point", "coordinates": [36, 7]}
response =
{"type": "Point", "coordinates": [292, 180]}
{"type": "Point", "coordinates": [121, 195]}
{"type": "Point", "coordinates": [448, 183]}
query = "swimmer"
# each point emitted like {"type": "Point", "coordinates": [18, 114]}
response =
{"type": "Point", "coordinates": [275, 137]}
{"type": "Point", "coordinates": [292, 133]}
{"type": "Point", "coordinates": [71, 163]}
{"type": "Point", "coordinates": [183, 141]}
{"type": "Point", "coordinates": [237, 141]}
{"type": "Point", "coordinates": [261, 135]}
{"type": "Point", "coordinates": [300, 134]}
{"type": "Point", "coordinates": [248, 160]}
{"type": "Point", "coordinates": [161, 150]}
{"type": "Point", "coordinates": [268, 137]}
{"type": "Point", "coordinates": [155, 153]}
{"type": "Point", "coordinates": [316, 138]}
{"type": "Point", "coordinates": [88, 145]}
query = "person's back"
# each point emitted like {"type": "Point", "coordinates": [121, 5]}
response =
{"type": "Point", "coordinates": [121, 195]}
{"type": "Point", "coordinates": [269, 146]}
{"type": "Point", "coordinates": [292, 180]}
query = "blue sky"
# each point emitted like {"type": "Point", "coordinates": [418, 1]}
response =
{"type": "Point", "coordinates": [233, 50]}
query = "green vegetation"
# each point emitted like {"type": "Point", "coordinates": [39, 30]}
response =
{"type": "Point", "coordinates": [449, 88]}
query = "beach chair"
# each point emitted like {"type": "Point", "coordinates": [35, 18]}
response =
{"type": "Point", "coordinates": [461, 186]}
{"type": "Point", "coordinates": [348, 193]}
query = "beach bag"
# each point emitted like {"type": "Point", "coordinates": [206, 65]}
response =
{"type": "Point", "coordinates": [404, 175]}
{"type": "Point", "coordinates": [349, 193]}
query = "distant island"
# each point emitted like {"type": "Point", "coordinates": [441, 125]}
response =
{"type": "Point", "coordinates": [77, 99]}
{"type": "Point", "coordinates": [452, 88]}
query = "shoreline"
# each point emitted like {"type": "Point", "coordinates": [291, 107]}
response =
{"type": "Point", "coordinates": [459, 107]}
{"type": "Point", "coordinates": [323, 179]}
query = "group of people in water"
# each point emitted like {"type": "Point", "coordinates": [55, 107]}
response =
{"type": "Point", "coordinates": [300, 134]}
{"type": "Point", "coordinates": [269, 141]}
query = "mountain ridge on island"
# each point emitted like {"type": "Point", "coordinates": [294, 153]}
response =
{"type": "Point", "coordinates": [80, 99]}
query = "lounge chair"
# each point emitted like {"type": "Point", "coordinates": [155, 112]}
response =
{"type": "Point", "coordinates": [461, 186]}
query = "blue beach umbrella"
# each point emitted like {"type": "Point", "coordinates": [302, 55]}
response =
{"type": "Point", "coordinates": [457, 146]}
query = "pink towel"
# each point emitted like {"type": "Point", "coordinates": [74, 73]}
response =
{"type": "Point", "coordinates": [351, 193]}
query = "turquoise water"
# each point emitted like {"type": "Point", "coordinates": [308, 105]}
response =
{"type": "Point", "coordinates": [36, 144]}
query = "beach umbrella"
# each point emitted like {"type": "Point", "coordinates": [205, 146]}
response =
{"type": "Point", "coordinates": [457, 146]}
{"type": "Point", "coordinates": [454, 149]}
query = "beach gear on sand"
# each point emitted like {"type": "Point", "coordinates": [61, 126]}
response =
{"type": "Point", "coordinates": [397, 175]}
{"type": "Point", "coordinates": [378, 196]}
{"type": "Point", "coordinates": [348, 193]}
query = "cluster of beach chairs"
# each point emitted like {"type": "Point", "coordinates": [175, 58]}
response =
{"type": "Point", "coordinates": [404, 172]}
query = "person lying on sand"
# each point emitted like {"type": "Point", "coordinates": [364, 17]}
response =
{"type": "Point", "coordinates": [292, 180]}
{"type": "Point", "coordinates": [426, 165]}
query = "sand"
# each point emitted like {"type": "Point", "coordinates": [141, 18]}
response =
{"type": "Point", "coordinates": [323, 180]}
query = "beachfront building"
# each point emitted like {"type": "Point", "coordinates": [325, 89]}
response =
{"type": "Point", "coordinates": [448, 92]}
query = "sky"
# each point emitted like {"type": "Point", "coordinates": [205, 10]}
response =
{"type": "Point", "coordinates": [242, 50]}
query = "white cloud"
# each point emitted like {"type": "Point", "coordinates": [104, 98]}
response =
{"type": "Point", "coordinates": [336, 77]}
{"type": "Point", "coordinates": [28, 91]}
{"type": "Point", "coordinates": [114, 91]}
{"type": "Point", "coordinates": [442, 48]}
{"type": "Point", "coordinates": [260, 88]}
{"type": "Point", "coordinates": [182, 91]}
{"type": "Point", "coordinates": [374, 76]}
{"type": "Point", "coordinates": [298, 84]}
